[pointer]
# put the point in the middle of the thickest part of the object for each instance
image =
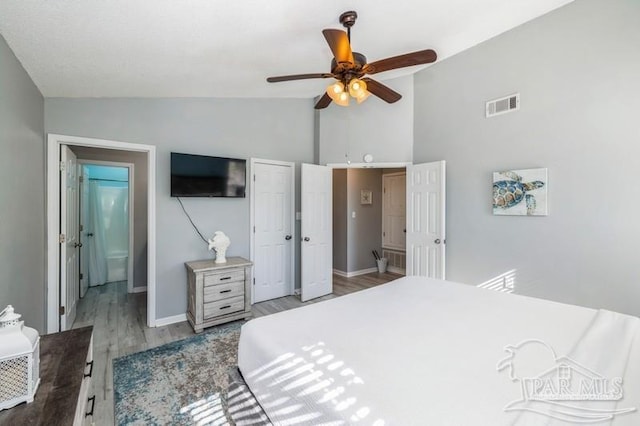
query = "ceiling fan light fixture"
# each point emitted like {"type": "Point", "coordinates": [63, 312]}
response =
{"type": "Point", "coordinates": [342, 99]}
{"type": "Point", "coordinates": [357, 88]}
{"type": "Point", "coordinates": [335, 90]}
{"type": "Point", "coordinates": [363, 96]}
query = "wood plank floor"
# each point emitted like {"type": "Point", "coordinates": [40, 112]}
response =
{"type": "Point", "coordinates": [119, 327]}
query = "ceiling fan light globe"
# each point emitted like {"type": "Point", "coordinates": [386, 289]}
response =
{"type": "Point", "coordinates": [363, 96]}
{"type": "Point", "coordinates": [342, 99]}
{"type": "Point", "coordinates": [357, 88]}
{"type": "Point", "coordinates": [334, 90]}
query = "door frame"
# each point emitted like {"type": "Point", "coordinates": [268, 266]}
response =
{"type": "Point", "coordinates": [131, 184]}
{"type": "Point", "coordinates": [252, 216]}
{"type": "Point", "coordinates": [54, 142]}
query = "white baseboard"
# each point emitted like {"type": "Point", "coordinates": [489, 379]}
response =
{"type": "Point", "coordinates": [396, 270]}
{"type": "Point", "coordinates": [139, 289]}
{"type": "Point", "coordinates": [354, 273]}
{"type": "Point", "coordinates": [161, 322]}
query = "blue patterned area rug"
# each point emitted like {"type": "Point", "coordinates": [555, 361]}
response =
{"type": "Point", "coordinates": [181, 383]}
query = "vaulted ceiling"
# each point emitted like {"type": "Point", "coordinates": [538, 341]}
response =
{"type": "Point", "coordinates": [214, 48]}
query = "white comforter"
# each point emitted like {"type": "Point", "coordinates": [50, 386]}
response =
{"type": "Point", "coordinates": [419, 351]}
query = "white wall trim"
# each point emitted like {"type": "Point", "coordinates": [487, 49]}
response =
{"type": "Point", "coordinates": [131, 188]}
{"type": "Point", "coordinates": [252, 216]}
{"type": "Point", "coordinates": [354, 273]}
{"type": "Point", "coordinates": [54, 142]}
{"type": "Point", "coordinates": [161, 322]}
{"type": "Point", "coordinates": [139, 290]}
{"type": "Point", "coordinates": [367, 165]}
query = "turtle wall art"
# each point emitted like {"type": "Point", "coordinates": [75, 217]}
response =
{"type": "Point", "coordinates": [520, 192]}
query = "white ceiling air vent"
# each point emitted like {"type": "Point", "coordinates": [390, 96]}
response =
{"type": "Point", "coordinates": [503, 105]}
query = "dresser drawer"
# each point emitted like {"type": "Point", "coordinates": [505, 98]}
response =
{"type": "Point", "coordinates": [218, 292]}
{"type": "Point", "coordinates": [225, 277]}
{"type": "Point", "coordinates": [223, 307]}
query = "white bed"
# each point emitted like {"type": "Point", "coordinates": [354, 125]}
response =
{"type": "Point", "coordinates": [418, 351]}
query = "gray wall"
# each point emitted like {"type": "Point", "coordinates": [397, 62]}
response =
{"type": "Point", "coordinates": [365, 231]}
{"type": "Point", "coordinates": [22, 244]}
{"type": "Point", "coordinates": [372, 127]}
{"type": "Point", "coordinates": [577, 72]}
{"type": "Point", "coordinates": [140, 171]}
{"type": "Point", "coordinates": [340, 219]}
{"type": "Point", "coordinates": [280, 129]}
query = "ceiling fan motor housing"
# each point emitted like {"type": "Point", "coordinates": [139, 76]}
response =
{"type": "Point", "coordinates": [348, 70]}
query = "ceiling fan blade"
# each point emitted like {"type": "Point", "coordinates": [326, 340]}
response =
{"type": "Point", "coordinates": [339, 44]}
{"type": "Point", "coordinates": [406, 60]}
{"type": "Point", "coordinates": [382, 91]}
{"type": "Point", "coordinates": [297, 77]}
{"type": "Point", "coordinates": [324, 102]}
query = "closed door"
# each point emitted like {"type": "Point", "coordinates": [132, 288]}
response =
{"type": "Point", "coordinates": [426, 220]}
{"type": "Point", "coordinates": [317, 232]}
{"type": "Point", "coordinates": [394, 212]}
{"type": "Point", "coordinates": [69, 238]}
{"type": "Point", "coordinates": [273, 231]}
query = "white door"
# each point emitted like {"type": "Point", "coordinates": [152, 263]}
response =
{"type": "Point", "coordinates": [84, 230]}
{"type": "Point", "coordinates": [316, 250]}
{"type": "Point", "coordinates": [69, 241]}
{"type": "Point", "coordinates": [273, 230]}
{"type": "Point", "coordinates": [394, 212]}
{"type": "Point", "coordinates": [425, 219]}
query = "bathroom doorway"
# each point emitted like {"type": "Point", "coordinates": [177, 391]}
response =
{"type": "Point", "coordinates": [106, 224]}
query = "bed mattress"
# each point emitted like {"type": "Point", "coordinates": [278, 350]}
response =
{"type": "Point", "coordinates": [419, 351]}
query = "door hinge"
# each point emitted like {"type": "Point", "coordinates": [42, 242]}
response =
{"type": "Point", "coordinates": [254, 281]}
{"type": "Point", "coordinates": [81, 228]}
{"type": "Point", "coordinates": [384, 190]}
{"type": "Point", "coordinates": [61, 238]}
{"type": "Point", "coordinates": [384, 234]}
{"type": "Point", "coordinates": [81, 275]}
{"type": "Point", "coordinates": [254, 178]}
{"type": "Point", "coordinates": [254, 229]}
{"type": "Point", "coordinates": [81, 178]}
{"type": "Point", "coordinates": [62, 166]}
{"type": "Point", "coordinates": [61, 310]}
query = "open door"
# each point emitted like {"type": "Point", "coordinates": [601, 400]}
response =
{"type": "Point", "coordinates": [317, 237]}
{"type": "Point", "coordinates": [69, 238]}
{"type": "Point", "coordinates": [426, 220]}
{"type": "Point", "coordinates": [84, 230]}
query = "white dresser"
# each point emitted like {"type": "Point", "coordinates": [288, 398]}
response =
{"type": "Point", "coordinates": [218, 292]}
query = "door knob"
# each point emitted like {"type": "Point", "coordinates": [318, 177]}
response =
{"type": "Point", "coordinates": [90, 234]}
{"type": "Point", "coordinates": [437, 241]}
{"type": "Point", "coordinates": [76, 245]}
{"type": "Point", "coordinates": [307, 239]}
{"type": "Point", "coordinates": [288, 237]}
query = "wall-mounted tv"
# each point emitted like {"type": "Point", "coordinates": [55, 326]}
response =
{"type": "Point", "coordinates": [204, 176]}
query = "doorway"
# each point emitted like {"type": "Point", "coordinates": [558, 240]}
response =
{"type": "Point", "coordinates": [368, 220]}
{"type": "Point", "coordinates": [58, 318]}
{"type": "Point", "coordinates": [106, 223]}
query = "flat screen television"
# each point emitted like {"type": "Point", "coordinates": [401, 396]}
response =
{"type": "Point", "coordinates": [204, 176]}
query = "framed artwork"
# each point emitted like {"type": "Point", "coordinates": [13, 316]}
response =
{"type": "Point", "coordinates": [365, 196]}
{"type": "Point", "coordinates": [520, 192]}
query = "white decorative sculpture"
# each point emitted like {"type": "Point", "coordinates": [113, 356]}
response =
{"type": "Point", "coordinates": [220, 243]}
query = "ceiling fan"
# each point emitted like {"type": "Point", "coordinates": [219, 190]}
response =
{"type": "Point", "coordinates": [350, 68]}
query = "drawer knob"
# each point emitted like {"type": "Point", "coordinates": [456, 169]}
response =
{"type": "Point", "coordinates": [90, 364]}
{"type": "Point", "coordinates": [93, 405]}
{"type": "Point", "coordinates": [225, 307]}
{"type": "Point", "coordinates": [225, 291]}
{"type": "Point", "coordinates": [225, 278]}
